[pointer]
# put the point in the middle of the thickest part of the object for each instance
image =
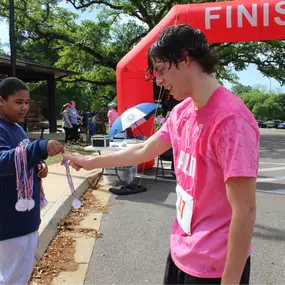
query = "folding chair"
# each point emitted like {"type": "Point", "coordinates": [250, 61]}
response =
{"type": "Point", "coordinates": [166, 156]}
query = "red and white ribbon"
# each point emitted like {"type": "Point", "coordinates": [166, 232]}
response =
{"type": "Point", "coordinates": [76, 203]}
{"type": "Point", "coordinates": [24, 180]}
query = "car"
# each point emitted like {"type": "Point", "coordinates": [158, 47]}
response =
{"type": "Point", "coordinates": [270, 124]}
{"type": "Point", "coordinates": [277, 123]}
{"type": "Point", "coordinates": [281, 126]}
{"type": "Point", "coordinates": [261, 124]}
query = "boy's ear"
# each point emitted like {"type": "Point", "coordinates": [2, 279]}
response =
{"type": "Point", "coordinates": [188, 61]}
{"type": "Point", "coordinates": [1, 101]}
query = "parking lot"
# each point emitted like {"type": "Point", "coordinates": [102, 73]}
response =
{"type": "Point", "coordinates": [272, 161]}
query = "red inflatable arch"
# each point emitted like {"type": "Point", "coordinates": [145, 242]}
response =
{"type": "Point", "coordinates": [234, 21]}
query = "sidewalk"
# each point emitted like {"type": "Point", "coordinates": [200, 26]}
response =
{"type": "Point", "coordinates": [60, 200]}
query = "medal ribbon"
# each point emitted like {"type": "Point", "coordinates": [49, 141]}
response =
{"type": "Point", "coordinates": [25, 181]}
{"type": "Point", "coordinates": [24, 177]}
{"type": "Point", "coordinates": [76, 203]}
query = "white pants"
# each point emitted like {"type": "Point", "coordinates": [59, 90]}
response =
{"type": "Point", "coordinates": [17, 259]}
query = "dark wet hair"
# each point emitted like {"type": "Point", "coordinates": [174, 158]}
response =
{"type": "Point", "coordinates": [10, 85]}
{"type": "Point", "coordinates": [178, 41]}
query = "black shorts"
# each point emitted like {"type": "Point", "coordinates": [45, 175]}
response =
{"type": "Point", "coordinates": [173, 275]}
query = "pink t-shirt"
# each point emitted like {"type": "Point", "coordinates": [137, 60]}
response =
{"type": "Point", "coordinates": [112, 116]}
{"type": "Point", "coordinates": [210, 145]}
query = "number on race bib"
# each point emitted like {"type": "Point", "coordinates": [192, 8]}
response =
{"type": "Point", "coordinates": [181, 207]}
{"type": "Point", "coordinates": [184, 209]}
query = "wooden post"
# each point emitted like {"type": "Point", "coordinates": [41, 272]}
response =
{"type": "Point", "coordinates": [12, 38]}
{"type": "Point", "coordinates": [51, 86]}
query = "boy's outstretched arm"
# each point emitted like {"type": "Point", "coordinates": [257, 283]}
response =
{"type": "Point", "coordinates": [36, 152]}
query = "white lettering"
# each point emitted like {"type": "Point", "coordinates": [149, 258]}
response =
{"type": "Point", "coordinates": [229, 17]}
{"type": "Point", "coordinates": [192, 169]}
{"type": "Point", "coordinates": [247, 13]}
{"type": "Point", "coordinates": [209, 17]}
{"type": "Point", "coordinates": [181, 159]}
{"type": "Point", "coordinates": [187, 163]}
{"type": "Point", "coordinates": [252, 19]}
{"type": "Point", "coordinates": [281, 11]}
{"type": "Point", "coordinates": [266, 14]}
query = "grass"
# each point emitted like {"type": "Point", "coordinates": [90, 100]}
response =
{"type": "Point", "coordinates": [58, 121]}
{"type": "Point", "coordinates": [57, 158]}
{"type": "Point", "coordinates": [54, 160]}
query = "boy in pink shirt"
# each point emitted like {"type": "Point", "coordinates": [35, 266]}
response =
{"type": "Point", "coordinates": [215, 141]}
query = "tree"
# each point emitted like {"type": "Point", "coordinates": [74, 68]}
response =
{"type": "Point", "coordinates": [253, 98]}
{"type": "Point", "coordinates": [268, 59]}
{"type": "Point", "coordinates": [238, 89]}
{"type": "Point", "coordinates": [265, 106]}
{"type": "Point", "coordinates": [105, 41]}
{"type": "Point", "coordinates": [280, 101]}
{"type": "Point", "coordinates": [51, 34]}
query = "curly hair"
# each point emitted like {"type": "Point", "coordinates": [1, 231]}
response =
{"type": "Point", "coordinates": [178, 41]}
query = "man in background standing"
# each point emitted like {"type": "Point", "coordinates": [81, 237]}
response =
{"type": "Point", "coordinates": [74, 121]}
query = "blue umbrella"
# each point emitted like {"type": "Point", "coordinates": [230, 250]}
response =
{"type": "Point", "coordinates": [133, 117]}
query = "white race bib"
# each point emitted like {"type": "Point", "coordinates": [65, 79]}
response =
{"type": "Point", "coordinates": [184, 209]}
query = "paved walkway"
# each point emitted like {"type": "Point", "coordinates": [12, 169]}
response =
{"type": "Point", "coordinates": [60, 200]}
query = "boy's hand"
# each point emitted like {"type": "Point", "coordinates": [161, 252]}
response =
{"type": "Point", "coordinates": [42, 170]}
{"type": "Point", "coordinates": [54, 148]}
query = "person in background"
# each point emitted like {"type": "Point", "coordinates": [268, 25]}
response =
{"type": "Point", "coordinates": [66, 124]}
{"type": "Point", "coordinates": [74, 121]}
{"type": "Point", "coordinates": [112, 113]}
{"type": "Point", "coordinates": [19, 223]}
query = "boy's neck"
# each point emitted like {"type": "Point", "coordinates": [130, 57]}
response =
{"type": "Point", "coordinates": [5, 118]}
{"type": "Point", "coordinates": [204, 88]}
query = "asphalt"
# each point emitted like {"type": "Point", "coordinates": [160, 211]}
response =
{"type": "Point", "coordinates": [136, 230]}
{"type": "Point", "coordinates": [135, 240]}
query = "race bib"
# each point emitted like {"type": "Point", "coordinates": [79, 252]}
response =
{"type": "Point", "coordinates": [184, 209]}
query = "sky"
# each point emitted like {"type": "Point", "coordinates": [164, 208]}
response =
{"type": "Point", "coordinates": [250, 76]}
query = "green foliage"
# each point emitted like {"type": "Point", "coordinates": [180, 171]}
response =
{"type": "Point", "coordinates": [263, 105]}
{"type": "Point", "coordinates": [51, 34]}
{"type": "Point", "coordinates": [238, 89]}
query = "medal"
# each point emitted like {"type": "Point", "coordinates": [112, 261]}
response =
{"type": "Point", "coordinates": [44, 203]}
{"type": "Point", "coordinates": [76, 204]}
{"type": "Point", "coordinates": [21, 205]}
{"type": "Point", "coordinates": [30, 204]}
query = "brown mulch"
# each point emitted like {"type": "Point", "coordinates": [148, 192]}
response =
{"type": "Point", "coordinates": [60, 253]}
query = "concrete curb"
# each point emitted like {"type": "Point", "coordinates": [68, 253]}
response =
{"type": "Point", "coordinates": [61, 208]}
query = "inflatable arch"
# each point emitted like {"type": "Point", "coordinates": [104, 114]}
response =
{"type": "Point", "coordinates": [233, 21]}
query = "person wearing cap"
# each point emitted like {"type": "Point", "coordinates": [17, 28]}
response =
{"type": "Point", "coordinates": [112, 113]}
{"type": "Point", "coordinates": [66, 123]}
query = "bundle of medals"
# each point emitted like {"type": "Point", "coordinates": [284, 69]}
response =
{"type": "Point", "coordinates": [25, 182]}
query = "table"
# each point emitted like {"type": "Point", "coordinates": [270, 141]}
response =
{"type": "Point", "coordinates": [116, 146]}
